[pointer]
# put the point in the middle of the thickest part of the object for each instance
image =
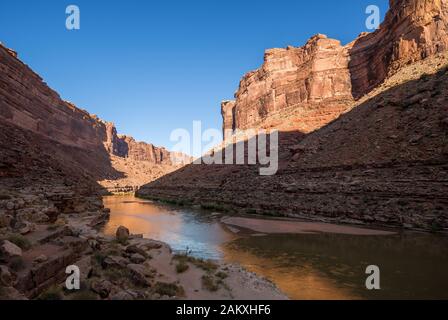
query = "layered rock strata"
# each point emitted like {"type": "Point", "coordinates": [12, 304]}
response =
{"type": "Point", "coordinates": [307, 87]}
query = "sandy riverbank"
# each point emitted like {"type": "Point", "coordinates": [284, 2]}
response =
{"type": "Point", "coordinates": [270, 226]}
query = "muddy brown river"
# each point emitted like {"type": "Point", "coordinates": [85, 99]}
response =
{"type": "Point", "coordinates": [318, 265]}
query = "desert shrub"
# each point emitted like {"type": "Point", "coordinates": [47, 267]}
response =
{"type": "Point", "coordinates": [52, 227]}
{"type": "Point", "coordinates": [214, 207]}
{"type": "Point", "coordinates": [52, 293]}
{"type": "Point", "coordinates": [209, 283]}
{"type": "Point", "coordinates": [181, 267]}
{"type": "Point", "coordinates": [221, 275]}
{"type": "Point", "coordinates": [98, 257]}
{"type": "Point", "coordinates": [19, 240]}
{"type": "Point", "coordinates": [168, 289]}
{"type": "Point", "coordinates": [203, 264]}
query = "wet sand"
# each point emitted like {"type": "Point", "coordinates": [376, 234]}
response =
{"type": "Point", "coordinates": [271, 226]}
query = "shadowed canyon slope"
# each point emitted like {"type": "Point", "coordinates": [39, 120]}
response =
{"type": "Point", "coordinates": [117, 161]}
{"type": "Point", "coordinates": [363, 129]}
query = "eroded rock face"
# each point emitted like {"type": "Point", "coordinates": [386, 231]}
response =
{"type": "Point", "coordinates": [412, 30]}
{"type": "Point", "coordinates": [312, 80]}
{"type": "Point", "coordinates": [305, 88]}
{"type": "Point", "coordinates": [127, 147]}
{"type": "Point", "coordinates": [71, 135]}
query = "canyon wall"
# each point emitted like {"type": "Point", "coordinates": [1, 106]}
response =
{"type": "Point", "coordinates": [412, 30]}
{"type": "Point", "coordinates": [27, 101]}
{"type": "Point", "coordinates": [305, 88]}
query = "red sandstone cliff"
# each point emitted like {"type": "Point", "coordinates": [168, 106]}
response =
{"type": "Point", "coordinates": [28, 103]}
{"type": "Point", "coordinates": [305, 88]}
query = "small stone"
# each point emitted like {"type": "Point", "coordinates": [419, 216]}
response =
{"type": "Point", "coordinates": [114, 262]}
{"type": "Point", "coordinates": [137, 258]}
{"type": "Point", "coordinates": [10, 205]}
{"type": "Point", "coordinates": [139, 274]}
{"type": "Point", "coordinates": [134, 249]}
{"type": "Point", "coordinates": [103, 288]}
{"type": "Point", "coordinates": [122, 295]}
{"type": "Point", "coordinates": [9, 249]}
{"type": "Point", "coordinates": [40, 259]}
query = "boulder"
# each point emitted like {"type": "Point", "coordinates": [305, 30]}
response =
{"type": "Point", "coordinates": [122, 234]}
{"type": "Point", "coordinates": [137, 258]}
{"type": "Point", "coordinates": [103, 288]}
{"type": "Point", "coordinates": [140, 274]}
{"type": "Point", "coordinates": [114, 262]}
{"type": "Point", "coordinates": [9, 249]}
{"type": "Point", "coordinates": [5, 276]}
{"type": "Point", "coordinates": [134, 249]}
{"type": "Point", "coordinates": [122, 295]}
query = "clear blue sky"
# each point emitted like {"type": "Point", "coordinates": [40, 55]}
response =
{"type": "Point", "coordinates": [154, 66]}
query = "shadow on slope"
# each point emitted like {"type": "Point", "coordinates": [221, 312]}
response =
{"type": "Point", "coordinates": [384, 162]}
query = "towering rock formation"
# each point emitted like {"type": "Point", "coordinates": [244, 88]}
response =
{"type": "Point", "coordinates": [305, 88]}
{"type": "Point", "coordinates": [312, 82]}
{"type": "Point", "coordinates": [412, 30]}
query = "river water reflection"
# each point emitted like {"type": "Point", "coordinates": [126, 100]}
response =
{"type": "Point", "coordinates": [304, 266]}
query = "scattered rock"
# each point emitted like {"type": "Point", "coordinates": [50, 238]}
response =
{"type": "Point", "coordinates": [140, 274]}
{"type": "Point", "coordinates": [9, 249]}
{"type": "Point", "coordinates": [137, 258]}
{"type": "Point", "coordinates": [122, 234]}
{"type": "Point", "coordinates": [114, 262]}
{"type": "Point", "coordinates": [102, 287]}
{"type": "Point", "coordinates": [5, 276]}
{"type": "Point", "coordinates": [40, 259]}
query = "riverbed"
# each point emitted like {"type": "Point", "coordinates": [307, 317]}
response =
{"type": "Point", "coordinates": [305, 260]}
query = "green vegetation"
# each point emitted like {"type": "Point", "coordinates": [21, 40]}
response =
{"type": "Point", "coordinates": [19, 240]}
{"type": "Point", "coordinates": [221, 275]}
{"type": "Point", "coordinates": [116, 274]}
{"type": "Point", "coordinates": [209, 283]}
{"type": "Point", "coordinates": [182, 266]}
{"type": "Point", "coordinates": [169, 289]}
{"type": "Point", "coordinates": [52, 293]}
{"type": "Point", "coordinates": [84, 295]}
{"type": "Point", "coordinates": [52, 227]}
{"type": "Point", "coordinates": [214, 207]}
{"type": "Point", "coordinates": [436, 226]}
{"type": "Point", "coordinates": [205, 265]}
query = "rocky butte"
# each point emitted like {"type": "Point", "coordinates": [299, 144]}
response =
{"type": "Point", "coordinates": [362, 129]}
